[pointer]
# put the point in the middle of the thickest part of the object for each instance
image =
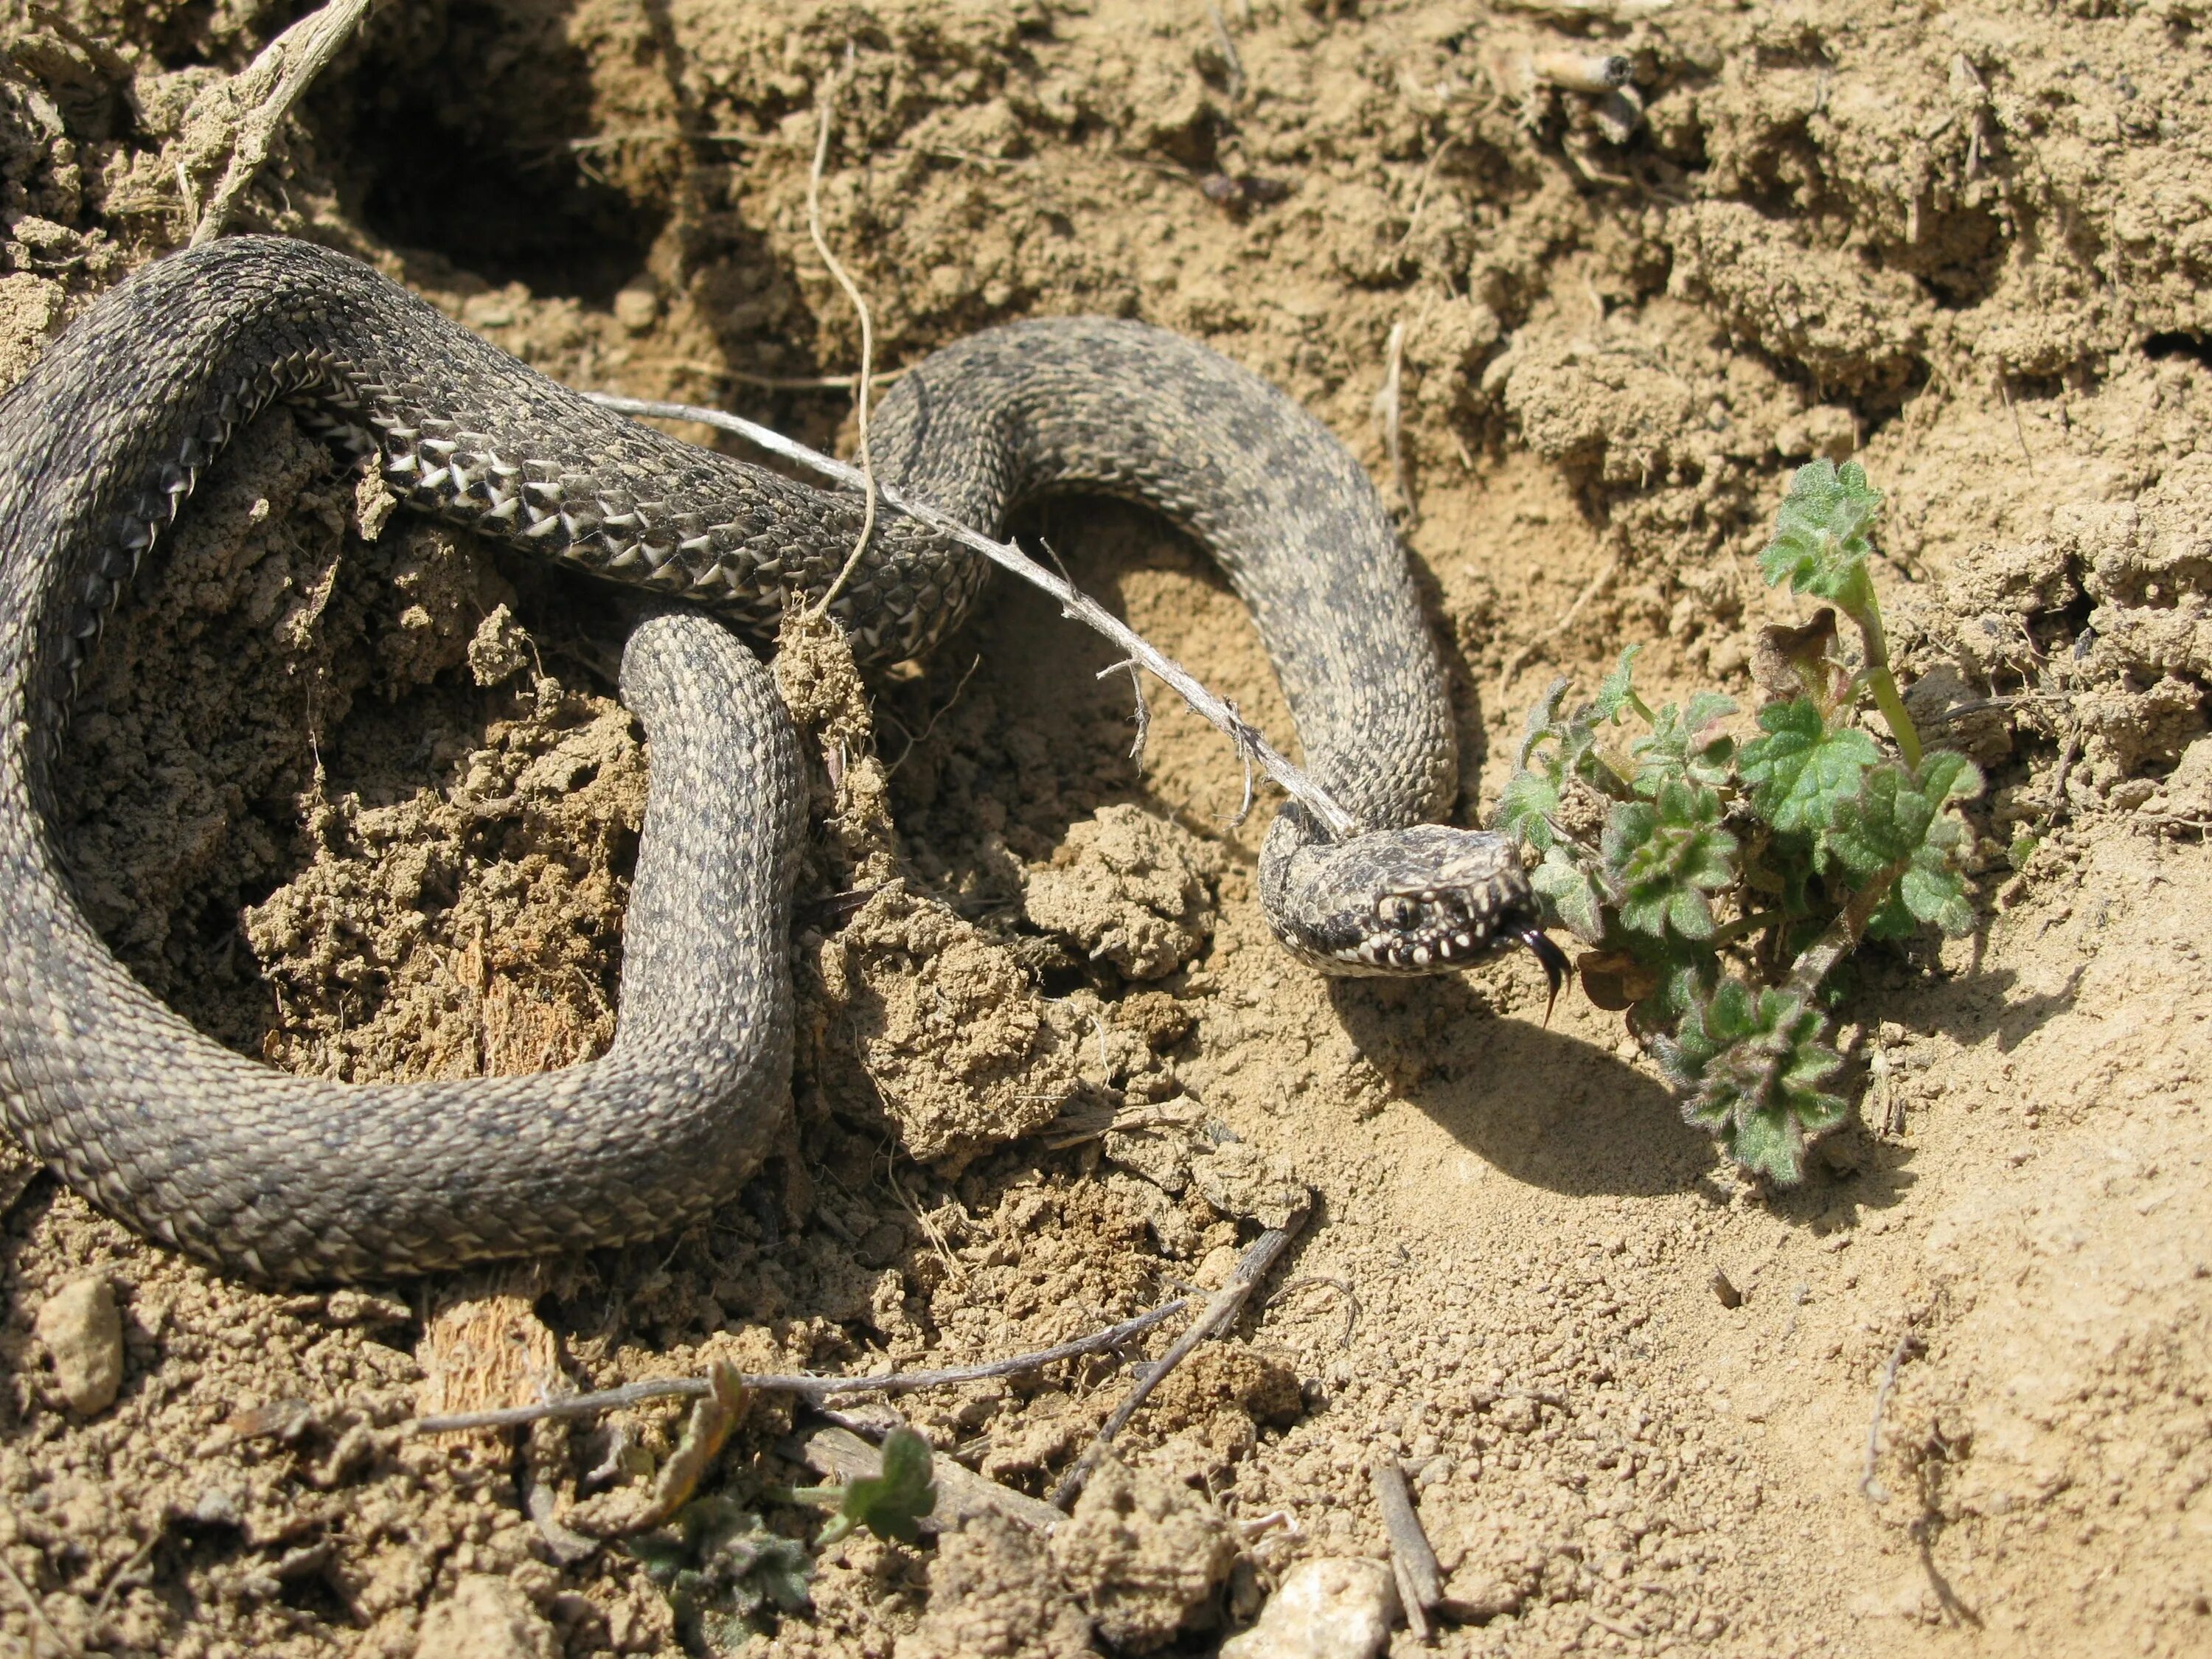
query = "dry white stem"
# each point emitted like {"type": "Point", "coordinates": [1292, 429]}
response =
{"type": "Point", "coordinates": [263, 93]}
{"type": "Point", "coordinates": [1389, 414]}
{"type": "Point", "coordinates": [40, 1623]}
{"type": "Point", "coordinates": [1581, 71]}
{"type": "Point", "coordinates": [867, 339]}
{"type": "Point", "coordinates": [1233, 63]}
{"type": "Point", "coordinates": [1870, 1488]}
{"type": "Point", "coordinates": [1596, 586]}
{"type": "Point", "coordinates": [1579, 12]}
{"type": "Point", "coordinates": [1421, 190]}
{"type": "Point", "coordinates": [1072, 602]}
{"type": "Point", "coordinates": [1144, 713]}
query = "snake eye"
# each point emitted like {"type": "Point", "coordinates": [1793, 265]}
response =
{"type": "Point", "coordinates": [1396, 911]}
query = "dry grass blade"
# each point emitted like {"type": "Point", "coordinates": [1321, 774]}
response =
{"type": "Point", "coordinates": [868, 340]}
{"type": "Point", "coordinates": [1251, 1267]}
{"type": "Point", "coordinates": [1420, 1581]}
{"type": "Point", "coordinates": [1084, 608]}
{"type": "Point", "coordinates": [811, 1388]}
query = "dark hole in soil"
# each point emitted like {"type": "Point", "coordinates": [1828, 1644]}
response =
{"type": "Point", "coordinates": [456, 136]}
{"type": "Point", "coordinates": [2181, 343]}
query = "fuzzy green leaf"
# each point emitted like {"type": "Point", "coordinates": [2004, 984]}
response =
{"type": "Point", "coordinates": [1525, 808]}
{"type": "Point", "coordinates": [890, 1505]}
{"type": "Point", "coordinates": [1686, 744]}
{"type": "Point", "coordinates": [1544, 723]}
{"type": "Point", "coordinates": [1821, 535]}
{"type": "Point", "coordinates": [1752, 1062]}
{"type": "Point", "coordinates": [1614, 692]}
{"type": "Point", "coordinates": [1573, 895]}
{"type": "Point", "coordinates": [723, 1570]}
{"type": "Point", "coordinates": [1801, 770]}
{"type": "Point", "coordinates": [1664, 856]}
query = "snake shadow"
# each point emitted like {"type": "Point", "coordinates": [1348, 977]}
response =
{"type": "Point", "coordinates": [1541, 1106]}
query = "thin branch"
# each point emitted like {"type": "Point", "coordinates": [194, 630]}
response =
{"type": "Point", "coordinates": [1144, 713]}
{"type": "Point", "coordinates": [39, 1619]}
{"type": "Point", "coordinates": [1870, 1488]}
{"type": "Point", "coordinates": [263, 94]}
{"type": "Point", "coordinates": [1351, 1311]}
{"type": "Point", "coordinates": [1413, 1560]}
{"type": "Point", "coordinates": [1421, 190]}
{"type": "Point", "coordinates": [811, 1388]}
{"type": "Point", "coordinates": [1072, 603]}
{"type": "Point", "coordinates": [1251, 1267]}
{"type": "Point", "coordinates": [1389, 414]}
{"type": "Point", "coordinates": [1232, 65]}
{"type": "Point", "coordinates": [867, 339]}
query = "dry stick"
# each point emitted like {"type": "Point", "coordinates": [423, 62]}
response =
{"type": "Point", "coordinates": [811, 1388]}
{"type": "Point", "coordinates": [270, 85]}
{"type": "Point", "coordinates": [62, 1643]}
{"type": "Point", "coordinates": [1251, 1267]}
{"type": "Point", "coordinates": [2019, 431]}
{"type": "Point", "coordinates": [1250, 744]}
{"type": "Point", "coordinates": [1421, 190]}
{"type": "Point", "coordinates": [868, 340]}
{"type": "Point", "coordinates": [1144, 713]}
{"type": "Point", "coordinates": [1388, 416]}
{"type": "Point", "coordinates": [1234, 64]}
{"type": "Point", "coordinates": [1421, 1582]}
{"type": "Point", "coordinates": [1870, 1488]}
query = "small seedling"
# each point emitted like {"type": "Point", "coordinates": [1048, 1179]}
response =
{"type": "Point", "coordinates": [1726, 882]}
{"type": "Point", "coordinates": [891, 1505]}
{"type": "Point", "coordinates": [723, 1570]}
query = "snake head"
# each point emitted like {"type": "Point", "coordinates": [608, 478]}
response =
{"type": "Point", "coordinates": [1423, 899]}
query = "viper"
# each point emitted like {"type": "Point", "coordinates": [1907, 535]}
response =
{"type": "Point", "coordinates": [284, 1177]}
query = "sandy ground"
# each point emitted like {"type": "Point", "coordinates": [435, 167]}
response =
{"type": "Point", "coordinates": [355, 796]}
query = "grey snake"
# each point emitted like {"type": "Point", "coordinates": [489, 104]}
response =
{"type": "Point", "coordinates": [294, 1178]}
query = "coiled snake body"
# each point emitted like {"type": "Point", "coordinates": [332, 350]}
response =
{"type": "Point", "coordinates": [296, 1178]}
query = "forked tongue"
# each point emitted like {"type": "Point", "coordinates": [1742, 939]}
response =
{"type": "Point", "coordinates": [1554, 960]}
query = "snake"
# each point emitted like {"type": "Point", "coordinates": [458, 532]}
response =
{"type": "Point", "coordinates": [279, 1178]}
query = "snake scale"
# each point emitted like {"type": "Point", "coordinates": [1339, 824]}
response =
{"type": "Point", "coordinates": [292, 1178]}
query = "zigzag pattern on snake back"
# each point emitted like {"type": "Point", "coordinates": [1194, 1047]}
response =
{"type": "Point", "coordinates": [296, 1178]}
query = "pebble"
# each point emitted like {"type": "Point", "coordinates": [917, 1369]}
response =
{"type": "Point", "coordinates": [82, 1330]}
{"type": "Point", "coordinates": [486, 1618]}
{"type": "Point", "coordinates": [1335, 1608]}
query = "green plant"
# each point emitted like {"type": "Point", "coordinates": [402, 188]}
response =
{"type": "Point", "coordinates": [891, 1505]}
{"type": "Point", "coordinates": [1722, 883]}
{"type": "Point", "coordinates": [723, 1569]}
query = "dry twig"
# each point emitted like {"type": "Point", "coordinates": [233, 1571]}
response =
{"type": "Point", "coordinates": [868, 340]}
{"type": "Point", "coordinates": [261, 95]}
{"type": "Point", "coordinates": [810, 1387]}
{"type": "Point", "coordinates": [1421, 1582]}
{"type": "Point", "coordinates": [39, 1621]}
{"type": "Point", "coordinates": [1254, 748]}
{"type": "Point", "coordinates": [1251, 1267]}
{"type": "Point", "coordinates": [1389, 415]}
{"type": "Point", "coordinates": [1233, 65]}
{"type": "Point", "coordinates": [1870, 1488]}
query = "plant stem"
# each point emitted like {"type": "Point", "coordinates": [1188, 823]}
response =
{"type": "Point", "coordinates": [1757, 921]}
{"type": "Point", "coordinates": [1883, 683]}
{"type": "Point", "coordinates": [1841, 937]}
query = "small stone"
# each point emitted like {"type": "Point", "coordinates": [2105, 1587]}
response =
{"type": "Point", "coordinates": [486, 1618]}
{"type": "Point", "coordinates": [637, 306]}
{"type": "Point", "coordinates": [1335, 1608]}
{"type": "Point", "coordinates": [82, 1330]}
